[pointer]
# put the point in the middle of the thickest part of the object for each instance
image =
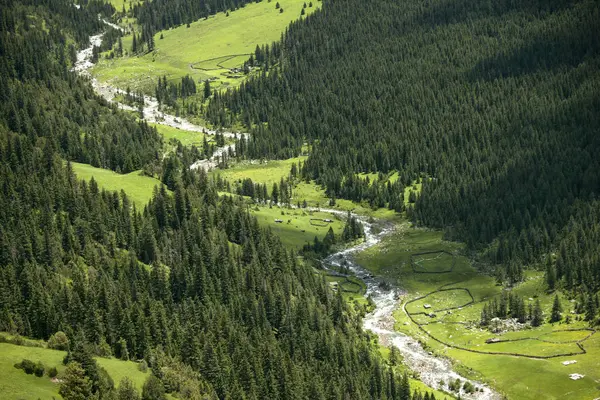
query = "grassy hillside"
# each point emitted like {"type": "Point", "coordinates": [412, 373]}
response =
{"type": "Point", "coordinates": [138, 187]}
{"type": "Point", "coordinates": [451, 282]}
{"type": "Point", "coordinates": [17, 385]}
{"type": "Point", "coordinates": [118, 4]}
{"type": "Point", "coordinates": [298, 227]}
{"type": "Point", "coordinates": [269, 172]}
{"type": "Point", "coordinates": [273, 171]}
{"type": "Point", "coordinates": [187, 138]}
{"type": "Point", "coordinates": [207, 49]}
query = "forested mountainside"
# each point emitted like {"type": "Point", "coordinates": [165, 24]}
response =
{"type": "Point", "coordinates": [158, 15]}
{"type": "Point", "coordinates": [190, 279]}
{"type": "Point", "coordinates": [494, 105]}
{"type": "Point", "coordinates": [41, 99]}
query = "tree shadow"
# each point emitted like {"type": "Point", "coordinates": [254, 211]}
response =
{"type": "Point", "coordinates": [446, 12]}
{"type": "Point", "coordinates": [566, 47]}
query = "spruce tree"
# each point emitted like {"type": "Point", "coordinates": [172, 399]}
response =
{"type": "Point", "coordinates": [556, 310]}
{"type": "Point", "coordinates": [537, 318]}
{"type": "Point", "coordinates": [550, 276]}
{"type": "Point", "coordinates": [590, 308]}
{"type": "Point", "coordinates": [75, 384]}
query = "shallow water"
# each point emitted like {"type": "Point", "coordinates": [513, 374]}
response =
{"type": "Point", "coordinates": [432, 370]}
{"type": "Point", "coordinates": [151, 110]}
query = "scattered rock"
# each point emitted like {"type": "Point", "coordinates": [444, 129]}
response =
{"type": "Point", "coordinates": [576, 376]}
{"type": "Point", "coordinates": [569, 362]}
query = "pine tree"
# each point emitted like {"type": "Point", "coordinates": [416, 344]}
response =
{"type": "Point", "coordinates": [537, 318]}
{"type": "Point", "coordinates": [550, 276]}
{"type": "Point", "coordinates": [404, 391]}
{"type": "Point", "coordinates": [127, 390]}
{"type": "Point", "coordinates": [590, 308]}
{"type": "Point", "coordinates": [153, 389]}
{"type": "Point", "coordinates": [556, 310]}
{"type": "Point", "coordinates": [207, 89]}
{"type": "Point", "coordinates": [75, 384]}
{"type": "Point", "coordinates": [134, 46]}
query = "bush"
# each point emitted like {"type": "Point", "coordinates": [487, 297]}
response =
{"type": "Point", "coordinates": [153, 389]}
{"type": "Point", "coordinates": [454, 385]}
{"type": "Point", "coordinates": [52, 372]}
{"type": "Point", "coordinates": [39, 369]}
{"type": "Point", "coordinates": [28, 366]}
{"type": "Point", "coordinates": [468, 387]}
{"type": "Point", "coordinates": [143, 366]}
{"type": "Point", "coordinates": [59, 341]}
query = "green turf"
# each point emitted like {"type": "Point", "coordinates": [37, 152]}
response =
{"type": "Point", "coordinates": [517, 377]}
{"type": "Point", "coordinates": [16, 384]}
{"type": "Point", "coordinates": [118, 370]}
{"type": "Point", "coordinates": [432, 262]}
{"type": "Point", "coordinates": [268, 172]}
{"type": "Point", "coordinates": [138, 187]}
{"type": "Point", "coordinates": [183, 50]}
{"type": "Point", "coordinates": [273, 171]}
{"type": "Point", "coordinates": [291, 233]}
{"type": "Point", "coordinates": [440, 300]}
{"type": "Point", "coordinates": [187, 138]}
{"type": "Point", "coordinates": [118, 4]}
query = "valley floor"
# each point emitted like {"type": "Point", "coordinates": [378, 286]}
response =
{"type": "Point", "coordinates": [441, 307]}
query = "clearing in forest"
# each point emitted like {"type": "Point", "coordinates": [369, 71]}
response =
{"type": "Point", "coordinates": [137, 186]}
{"type": "Point", "coordinates": [16, 384]}
{"type": "Point", "coordinates": [443, 310]}
{"type": "Point", "coordinates": [208, 49]}
{"type": "Point", "coordinates": [432, 262]}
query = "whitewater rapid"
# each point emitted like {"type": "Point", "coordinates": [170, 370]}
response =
{"type": "Point", "coordinates": [431, 369]}
{"type": "Point", "coordinates": [150, 110]}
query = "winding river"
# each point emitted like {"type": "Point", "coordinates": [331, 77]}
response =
{"type": "Point", "coordinates": [432, 369]}
{"type": "Point", "coordinates": [151, 109]}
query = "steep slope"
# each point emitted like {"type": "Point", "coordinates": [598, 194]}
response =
{"type": "Point", "coordinates": [494, 104]}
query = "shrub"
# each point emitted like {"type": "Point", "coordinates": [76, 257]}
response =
{"type": "Point", "coordinates": [26, 365]}
{"type": "Point", "coordinates": [39, 370]}
{"type": "Point", "coordinates": [468, 387]}
{"type": "Point", "coordinates": [153, 389]}
{"type": "Point", "coordinates": [59, 341]}
{"type": "Point", "coordinates": [454, 385]}
{"type": "Point", "coordinates": [143, 366]}
{"type": "Point", "coordinates": [52, 372]}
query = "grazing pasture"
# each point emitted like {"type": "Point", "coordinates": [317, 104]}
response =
{"type": "Point", "coordinates": [525, 363]}
{"type": "Point", "coordinates": [207, 49]}
{"type": "Point", "coordinates": [138, 187]}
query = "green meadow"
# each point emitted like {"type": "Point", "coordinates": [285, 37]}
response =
{"type": "Point", "coordinates": [208, 49]}
{"type": "Point", "coordinates": [266, 172]}
{"type": "Point", "coordinates": [17, 385]}
{"type": "Point", "coordinates": [138, 187]}
{"type": "Point", "coordinates": [298, 227]}
{"type": "Point", "coordinates": [449, 326]}
{"type": "Point", "coordinates": [272, 171]}
{"type": "Point", "coordinates": [118, 4]}
{"type": "Point", "coordinates": [187, 138]}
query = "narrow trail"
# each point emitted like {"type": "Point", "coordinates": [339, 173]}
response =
{"type": "Point", "coordinates": [432, 369]}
